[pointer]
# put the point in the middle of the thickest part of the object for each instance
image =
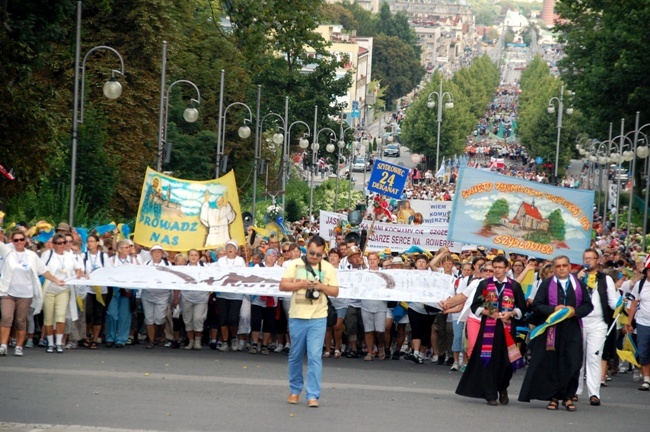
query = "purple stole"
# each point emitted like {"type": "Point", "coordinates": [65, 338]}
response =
{"type": "Point", "coordinates": [553, 301]}
{"type": "Point", "coordinates": [507, 305]}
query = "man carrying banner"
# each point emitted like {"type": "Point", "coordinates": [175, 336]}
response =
{"type": "Point", "coordinates": [554, 368]}
{"type": "Point", "coordinates": [310, 280]}
{"type": "Point", "coordinates": [498, 301]}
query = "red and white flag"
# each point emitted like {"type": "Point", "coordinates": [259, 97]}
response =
{"type": "Point", "coordinates": [8, 174]}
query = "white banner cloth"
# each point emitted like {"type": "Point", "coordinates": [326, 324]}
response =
{"type": "Point", "coordinates": [391, 285]}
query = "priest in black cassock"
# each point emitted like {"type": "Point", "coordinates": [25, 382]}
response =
{"type": "Point", "coordinates": [498, 301]}
{"type": "Point", "coordinates": [554, 368]}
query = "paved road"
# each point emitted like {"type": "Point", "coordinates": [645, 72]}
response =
{"type": "Point", "coordinates": [167, 390]}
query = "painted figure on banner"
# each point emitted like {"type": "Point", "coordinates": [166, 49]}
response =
{"type": "Point", "coordinates": [405, 213]}
{"type": "Point", "coordinates": [216, 214]}
{"type": "Point", "coordinates": [154, 198]}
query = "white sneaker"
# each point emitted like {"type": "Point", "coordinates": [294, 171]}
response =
{"type": "Point", "coordinates": [18, 351]}
{"type": "Point", "coordinates": [454, 367]}
{"type": "Point", "coordinates": [434, 359]}
{"type": "Point", "coordinates": [636, 377]}
{"type": "Point", "coordinates": [3, 350]}
{"type": "Point", "coordinates": [279, 348]}
{"type": "Point", "coordinates": [242, 345]}
{"type": "Point", "coordinates": [197, 344]}
{"type": "Point", "coordinates": [234, 345]}
{"type": "Point", "coordinates": [223, 347]}
{"type": "Point", "coordinates": [190, 345]}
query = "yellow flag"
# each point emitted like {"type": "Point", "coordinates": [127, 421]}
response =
{"type": "Point", "coordinates": [98, 294]}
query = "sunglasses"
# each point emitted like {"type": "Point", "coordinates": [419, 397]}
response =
{"type": "Point", "coordinates": [488, 270]}
{"type": "Point", "coordinates": [315, 254]}
{"type": "Point", "coordinates": [285, 250]}
{"type": "Point", "coordinates": [16, 240]}
{"type": "Point", "coordinates": [59, 243]}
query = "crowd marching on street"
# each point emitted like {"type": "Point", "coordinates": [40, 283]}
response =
{"type": "Point", "coordinates": [482, 330]}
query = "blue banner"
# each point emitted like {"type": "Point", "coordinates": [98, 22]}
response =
{"type": "Point", "coordinates": [388, 179]}
{"type": "Point", "coordinates": [508, 213]}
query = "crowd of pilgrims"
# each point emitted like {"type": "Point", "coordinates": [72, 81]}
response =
{"type": "Point", "coordinates": [480, 330]}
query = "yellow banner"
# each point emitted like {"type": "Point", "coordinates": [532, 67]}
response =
{"type": "Point", "coordinates": [183, 214]}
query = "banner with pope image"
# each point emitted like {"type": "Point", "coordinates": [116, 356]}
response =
{"type": "Point", "coordinates": [184, 214]}
{"type": "Point", "coordinates": [503, 212]}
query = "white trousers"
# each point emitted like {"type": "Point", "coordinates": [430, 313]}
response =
{"type": "Point", "coordinates": [593, 336]}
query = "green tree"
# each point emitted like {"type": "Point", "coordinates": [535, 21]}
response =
{"type": "Point", "coordinates": [396, 66]}
{"type": "Point", "coordinates": [498, 210]}
{"type": "Point", "coordinates": [606, 50]}
{"type": "Point", "coordinates": [556, 226]}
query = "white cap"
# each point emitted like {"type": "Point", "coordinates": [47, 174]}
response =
{"type": "Point", "coordinates": [232, 242]}
{"type": "Point", "coordinates": [156, 247]}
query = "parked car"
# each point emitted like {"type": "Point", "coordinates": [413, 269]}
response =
{"type": "Point", "coordinates": [391, 150]}
{"type": "Point", "coordinates": [615, 174]}
{"type": "Point", "coordinates": [360, 164]}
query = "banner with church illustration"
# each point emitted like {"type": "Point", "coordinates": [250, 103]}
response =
{"type": "Point", "coordinates": [184, 214]}
{"type": "Point", "coordinates": [503, 212]}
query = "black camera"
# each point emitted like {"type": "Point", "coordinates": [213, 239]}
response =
{"type": "Point", "coordinates": [312, 294]}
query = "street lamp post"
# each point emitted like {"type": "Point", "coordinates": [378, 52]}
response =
{"type": "Point", "coordinates": [314, 148]}
{"type": "Point", "coordinates": [191, 114]}
{"type": "Point", "coordinates": [303, 143]}
{"type": "Point", "coordinates": [641, 152]}
{"type": "Point", "coordinates": [560, 110]}
{"type": "Point", "coordinates": [350, 156]}
{"type": "Point", "coordinates": [431, 104]}
{"type": "Point", "coordinates": [112, 90]}
{"type": "Point", "coordinates": [244, 130]}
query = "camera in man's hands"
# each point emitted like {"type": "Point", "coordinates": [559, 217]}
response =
{"type": "Point", "coordinates": [312, 294]}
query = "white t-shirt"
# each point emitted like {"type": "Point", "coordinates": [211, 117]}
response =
{"type": "Point", "coordinates": [22, 279]}
{"type": "Point", "coordinates": [642, 315]}
{"type": "Point", "coordinates": [62, 266]}
{"type": "Point", "coordinates": [93, 262]}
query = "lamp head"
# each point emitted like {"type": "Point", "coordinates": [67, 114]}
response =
{"type": "Point", "coordinates": [330, 148]}
{"type": "Point", "coordinates": [112, 88]}
{"type": "Point", "coordinates": [569, 110]}
{"type": "Point", "coordinates": [303, 143]}
{"type": "Point", "coordinates": [449, 105]}
{"type": "Point", "coordinates": [431, 104]}
{"type": "Point", "coordinates": [278, 138]}
{"type": "Point", "coordinates": [550, 109]}
{"type": "Point", "coordinates": [191, 114]}
{"type": "Point", "coordinates": [643, 152]}
{"type": "Point", "coordinates": [244, 132]}
{"type": "Point", "coordinates": [341, 144]}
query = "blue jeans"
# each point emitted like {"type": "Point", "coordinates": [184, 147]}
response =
{"type": "Point", "coordinates": [118, 328]}
{"type": "Point", "coordinates": [307, 335]}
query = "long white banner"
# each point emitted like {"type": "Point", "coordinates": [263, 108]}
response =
{"type": "Point", "coordinates": [392, 285]}
{"type": "Point", "coordinates": [397, 237]}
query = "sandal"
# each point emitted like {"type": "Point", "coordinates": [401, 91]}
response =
{"type": "Point", "coordinates": [645, 386]}
{"type": "Point", "coordinates": [326, 354]}
{"type": "Point", "coordinates": [149, 345]}
{"type": "Point", "coordinates": [93, 345]}
{"type": "Point", "coordinates": [337, 354]}
{"type": "Point", "coordinates": [382, 355]}
{"type": "Point", "coordinates": [594, 401]}
{"type": "Point", "coordinates": [368, 357]}
{"type": "Point", "coordinates": [552, 405]}
{"type": "Point", "coordinates": [569, 405]}
{"type": "Point", "coordinates": [129, 341]}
